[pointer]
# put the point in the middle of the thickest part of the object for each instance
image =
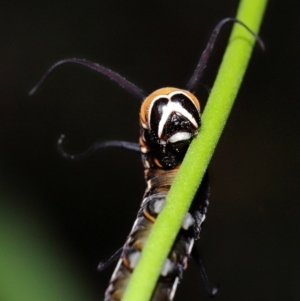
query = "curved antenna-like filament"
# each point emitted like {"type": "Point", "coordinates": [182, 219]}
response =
{"type": "Point", "coordinates": [105, 264]}
{"type": "Point", "coordinates": [192, 84]}
{"type": "Point", "coordinates": [123, 82]}
{"type": "Point", "coordinates": [210, 291]}
{"type": "Point", "coordinates": [110, 143]}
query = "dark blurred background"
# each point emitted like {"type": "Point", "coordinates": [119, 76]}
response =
{"type": "Point", "coordinates": [58, 219]}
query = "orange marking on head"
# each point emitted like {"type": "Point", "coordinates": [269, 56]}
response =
{"type": "Point", "coordinates": [163, 92]}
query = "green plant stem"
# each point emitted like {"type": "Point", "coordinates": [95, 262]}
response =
{"type": "Point", "coordinates": [225, 89]}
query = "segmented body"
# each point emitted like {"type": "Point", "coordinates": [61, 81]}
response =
{"type": "Point", "coordinates": [169, 120]}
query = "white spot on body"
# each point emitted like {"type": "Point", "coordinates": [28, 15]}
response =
{"type": "Point", "coordinates": [133, 258]}
{"type": "Point", "coordinates": [174, 287]}
{"type": "Point", "coordinates": [188, 221]}
{"type": "Point", "coordinates": [191, 245]}
{"type": "Point", "coordinates": [147, 165]}
{"type": "Point", "coordinates": [135, 223]}
{"type": "Point", "coordinates": [144, 149]}
{"type": "Point", "coordinates": [149, 184]}
{"type": "Point", "coordinates": [158, 205]}
{"type": "Point", "coordinates": [167, 267]}
{"type": "Point", "coordinates": [116, 270]}
{"type": "Point", "coordinates": [202, 218]}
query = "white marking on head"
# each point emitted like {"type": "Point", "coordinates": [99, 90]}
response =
{"type": "Point", "coordinates": [183, 93]}
{"type": "Point", "coordinates": [178, 108]}
{"type": "Point", "coordinates": [144, 125]}
{"type": "Point", "coordinates": [170, 108]}
{"type": "Point", "coordinates": [180, 136]}
{"type": "Point", "coordinates": [155, 99]}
